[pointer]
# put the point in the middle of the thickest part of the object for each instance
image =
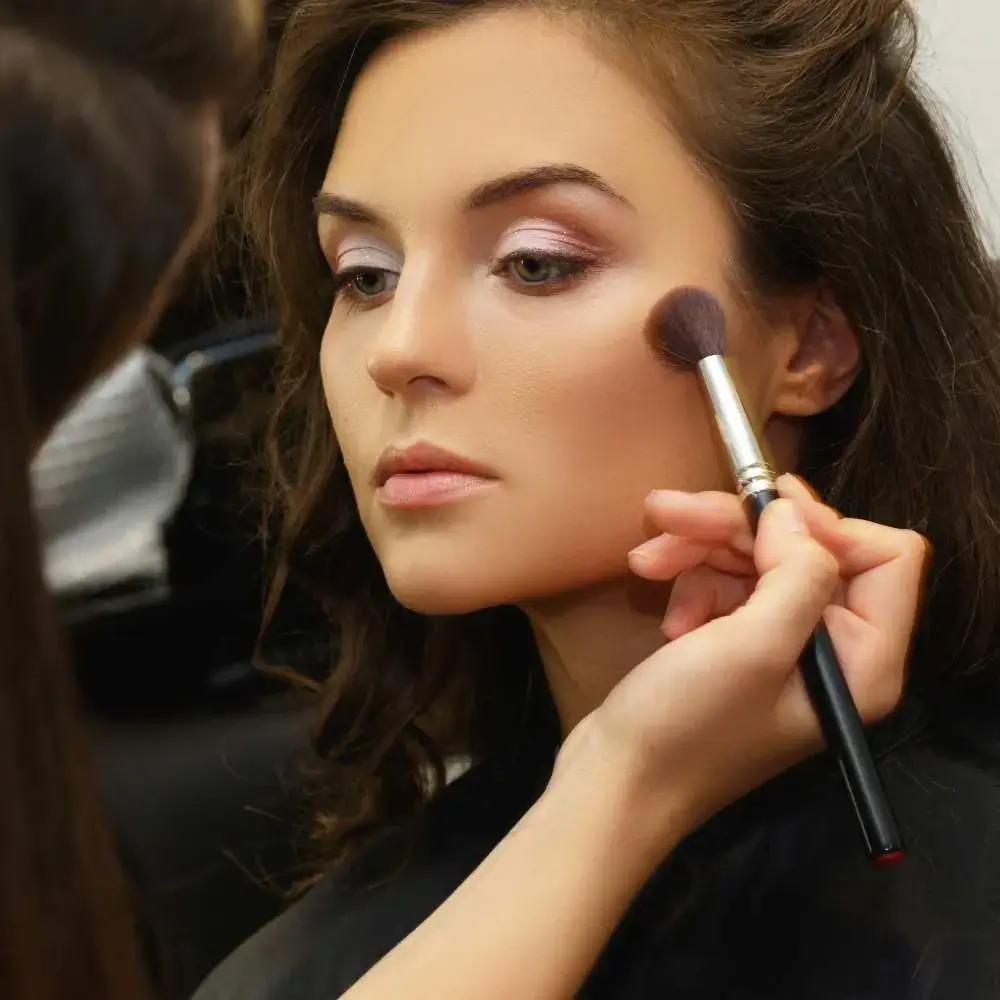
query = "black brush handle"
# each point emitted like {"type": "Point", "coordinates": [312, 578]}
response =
{"type": "Point", "coordinates": [843, 729]}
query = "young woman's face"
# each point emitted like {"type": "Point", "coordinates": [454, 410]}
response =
{"type": "Point", "coordinates": [503, 209]}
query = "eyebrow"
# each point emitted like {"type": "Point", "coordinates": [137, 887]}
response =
{"type": "Point", "coordinates": [485, 195]}
{"type": "Point", "coordinates": [537, 179]}
{"type": "Point", "coordinates": [326, 203]}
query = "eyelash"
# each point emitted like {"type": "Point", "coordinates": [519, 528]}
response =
{"type": "Point", "coordinates": [344, 286]}
{"type": "Point", "coordinates": [576, 267]}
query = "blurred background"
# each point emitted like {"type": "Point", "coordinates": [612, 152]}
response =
{"type": "Point", "coordinates": [149, 501]}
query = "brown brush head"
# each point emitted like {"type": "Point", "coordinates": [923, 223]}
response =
{"type": "Point", "coordinates": [690, 326]}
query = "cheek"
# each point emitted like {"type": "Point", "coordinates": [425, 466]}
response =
{"type": "Point", "coordinates": [590, 428]}
{"type": "Point", "coordinates": [345, 388]}
{"type": "Point", "coordinates": [616, 417]}
{"type": "Point", "coordinates": [625, 418]}
{"type": "Point", "coordinates": [620, 424]}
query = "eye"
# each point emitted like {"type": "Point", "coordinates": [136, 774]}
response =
{"type": "Point", "coordinates": [541, 271]}
{"type": "Point", "coordinates": [364, 284]}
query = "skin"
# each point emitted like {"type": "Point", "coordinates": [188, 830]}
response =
{"type": "Point", "coordinates": [556, 389]}
{"type": "Point", "coordinates": [552, 384]}
{"type": "Point", "coordinates": [637, 775]}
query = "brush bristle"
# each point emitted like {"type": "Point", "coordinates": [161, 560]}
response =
{"type": "Point", "coordinates": [690, 326]}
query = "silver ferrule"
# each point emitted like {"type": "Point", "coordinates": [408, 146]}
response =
{"type": "Point", "coordinates": [752, 472]}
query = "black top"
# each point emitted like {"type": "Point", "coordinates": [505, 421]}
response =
{"type": "Point", "coordinates": [773, 900]}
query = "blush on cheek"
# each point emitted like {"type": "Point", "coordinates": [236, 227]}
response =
{"type": "Point", "coordinates": [638, 426]}
{"type": "Point", "coordinates": [588, 445]}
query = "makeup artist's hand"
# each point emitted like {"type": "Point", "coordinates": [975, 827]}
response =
{"type": "Point", "coordinates": [721, 708]}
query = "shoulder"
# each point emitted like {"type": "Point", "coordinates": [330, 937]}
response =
{"type": "Point", "coordinates": [331, 937]}
{"type": "Point", "coordinates": [945, 898]}
{"type": "Point", "coordinates": [948, 802]}
{"type": "Point", "coordinates": [948, 792]}
{"type": "Point", "coordinates": [791, 907]}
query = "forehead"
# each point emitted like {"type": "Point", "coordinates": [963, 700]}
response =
{"type": "Point", "coordinates": [437, 113]}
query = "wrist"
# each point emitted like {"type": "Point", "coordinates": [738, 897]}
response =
{"type": "Point", "coordinates": [609, 793]}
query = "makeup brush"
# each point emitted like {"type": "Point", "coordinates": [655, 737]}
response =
{"type": "Point", "coordinates": [691, 331]}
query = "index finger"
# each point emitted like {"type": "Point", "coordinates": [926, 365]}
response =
{"type": "Point", "coordinates": [884, 570]}
{"type": "Point", "coordinates": [711, 516]}
{"type": "Point", "coordinates": [860, 546]}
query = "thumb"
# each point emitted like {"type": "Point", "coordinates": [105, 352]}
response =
{"type": "Point", "coordinates": [798, 579]}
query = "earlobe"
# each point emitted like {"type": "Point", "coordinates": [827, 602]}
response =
{"type": "Point", "coordinates": [826, 360]}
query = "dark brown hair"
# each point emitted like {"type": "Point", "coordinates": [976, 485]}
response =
{"type": "Point", "coordinates": [101, 178]}
{"type": "Point", "coordinates": [807, 116]}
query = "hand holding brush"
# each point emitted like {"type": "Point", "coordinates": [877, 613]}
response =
{"type": "Point", "coordinates": [691, 330]}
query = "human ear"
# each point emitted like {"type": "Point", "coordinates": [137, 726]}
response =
{"type": "Point", "coordinates": [823, 359]}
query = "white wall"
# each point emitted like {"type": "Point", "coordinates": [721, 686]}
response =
{"type": "Point", "coordinates": [960, 63]}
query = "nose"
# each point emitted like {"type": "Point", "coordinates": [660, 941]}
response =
{"type": "Point", "coordinates": [422, 347]}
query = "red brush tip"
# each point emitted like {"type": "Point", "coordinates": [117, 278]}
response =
{"type": "Point", "coordinates": [889, 859]}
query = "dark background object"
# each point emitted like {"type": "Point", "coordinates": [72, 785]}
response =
{"type": "Point", "coordinates": [196, 747]}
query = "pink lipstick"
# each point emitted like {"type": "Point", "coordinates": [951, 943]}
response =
{"type": "Point", "coordinates": [424, 475]}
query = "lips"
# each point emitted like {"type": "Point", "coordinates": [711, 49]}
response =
{"type": "Point", "coordinates": [425, 458]}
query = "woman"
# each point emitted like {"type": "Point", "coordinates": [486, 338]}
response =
{"type": "Point", "coordinates": [502, 193]}
{"type": "Point", "coordinates": [111, 119]}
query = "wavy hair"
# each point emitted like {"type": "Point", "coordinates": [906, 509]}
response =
{"type": "Point", "coordinates": [834, 166]}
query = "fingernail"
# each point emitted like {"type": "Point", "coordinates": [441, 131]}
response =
{"type": "Point", "coordinates": [819, 512]}
{"type": "Point", "coordinates": [789, 517]}
{"type": "Point", "coordinates": [660, 495]}
{"type": "Point", "coordinates": [789, 481]}
{"type": "Point", "coordinates": [645, 551]}
{"type": "Point", "coordinates": [827, 516]}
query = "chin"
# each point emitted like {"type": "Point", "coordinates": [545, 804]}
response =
{"type": "Point", "coordinates": [462, 590]}
{"type": "Point", "coordinates": [438, 597]}
{"type": "Point", "coordinates": [440, 586]}
{"type": "Point", "coordinates": [457, 574]}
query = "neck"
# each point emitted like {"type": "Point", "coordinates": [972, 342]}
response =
{"type": "Point", "coordinates": [589, 640]}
